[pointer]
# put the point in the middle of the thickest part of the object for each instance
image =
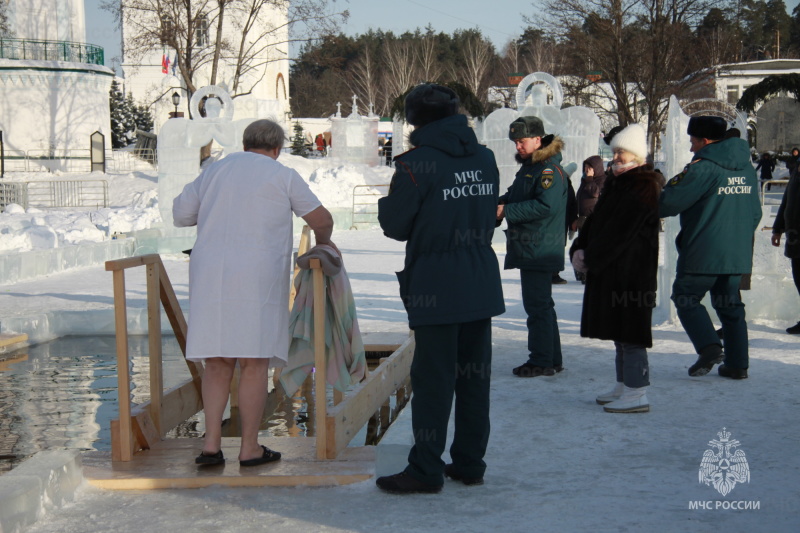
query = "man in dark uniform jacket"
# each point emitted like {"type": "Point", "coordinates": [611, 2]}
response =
{"type": "Point", "coordinates": [788, 221]}
{"type": "Point", "coordinates": [442, 202]}
{"type": "Point", "coordinates": [716, 197]}
{"type": "Point", "coordinates": [535, 209]}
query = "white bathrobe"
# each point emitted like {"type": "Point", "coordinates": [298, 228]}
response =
{"type": "Point", "coordinates": [239, 268]}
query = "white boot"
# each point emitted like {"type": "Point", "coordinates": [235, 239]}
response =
{"type": "Point", "coordinates": [613, 394]}
{"type": "Point", "coordinates": [631, 401]}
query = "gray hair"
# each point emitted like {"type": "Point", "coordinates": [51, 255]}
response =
{"type": "Point", "coordinates": [263, 134]}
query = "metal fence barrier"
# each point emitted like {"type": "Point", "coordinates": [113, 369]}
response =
{"type": "Point", "coordinates": [41, 50]}
{"type": "Point", "coordinates": [78, 160]}
{"type": "Point", "coordinates": [774, 196]}
{"type": "Point", "coordinates": [365, 203]}
{"type": "Point", "coordinates": [130, 160]}
{"type": "Point", "coordinates": [13, 193]}
{"type": "Point", "coordinates": [55, 194]}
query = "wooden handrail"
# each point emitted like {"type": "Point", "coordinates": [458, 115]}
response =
{"type": "Point", "coordinates": [159, 292]}
{"type": "Point", "coordinates": [147, 423]}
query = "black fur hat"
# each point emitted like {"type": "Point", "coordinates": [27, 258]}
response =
{"type": "Point", "coordinates": [525, 128]}
{"type": "Point", "coordinates": [429, 102]}
{"type": "Point", "coordinates": [610, 135]}
{"type": "Point", "coordinates": [707, 127]}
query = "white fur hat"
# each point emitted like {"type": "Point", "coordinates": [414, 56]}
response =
{"type": "Point", "coordinates": [632, 139]}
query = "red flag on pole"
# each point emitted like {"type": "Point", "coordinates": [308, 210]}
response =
{"type": "Point", "coordinates": [164, 64]}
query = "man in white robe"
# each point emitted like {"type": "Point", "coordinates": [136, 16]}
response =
{"type": "Point", "coordinates": [239, 278]}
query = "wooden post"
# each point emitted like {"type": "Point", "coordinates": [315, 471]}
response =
{"type": "Point", "coordinates": [302, 248]}
{"type": "Point", "coordinates": [320, 380]}
{"type": "Point", "coordinates": [123, 376]}
{"type": "Point", "coordinates": [154, 339]}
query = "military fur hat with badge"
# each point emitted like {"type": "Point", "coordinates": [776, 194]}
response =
{"type": "Point", "coordinates": [528, 128]}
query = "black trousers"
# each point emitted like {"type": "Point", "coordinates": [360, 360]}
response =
{"type": "Point", "coordinates": [450, 359]}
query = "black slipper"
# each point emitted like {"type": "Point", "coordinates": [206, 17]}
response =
{"type": "Point", "coordinates": [267, 457]}
{"type": "Point", "coordinates": [210, 460]}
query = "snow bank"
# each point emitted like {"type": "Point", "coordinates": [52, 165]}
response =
{"type": "Point", "coordinates": [133, 203]}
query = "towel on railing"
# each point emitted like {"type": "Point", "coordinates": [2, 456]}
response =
{"type": "Point", "coordinates": [346, 361]}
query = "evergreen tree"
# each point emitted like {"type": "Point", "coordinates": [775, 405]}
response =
{"type": "Point", "coordinates": [119, 127]}
{"type": "Point", "coordinates": [143, 118]}
{"type": "Point", "coordinates": [299, 141]}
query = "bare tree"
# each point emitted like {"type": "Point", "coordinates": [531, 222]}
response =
{"type": "Point", "coordinates": [260, 40]}
{"type": "Point", "coordinates": [475, 57]}
{"type": "Point", "coordinates": [400, 69]}
{"type": "Point", "coordinates": [5, 30]}
{"type": "Point", "coordinates": [364, 78]}
{"type": "Point", "coordinates": [642, 47]}
{"type": "Point", "coordinates": [425, 55]}
{"type": "Point", "coordinates": [183, 27]}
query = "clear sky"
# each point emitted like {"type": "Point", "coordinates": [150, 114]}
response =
{"type": "Point", "coordinates": [499, 20]}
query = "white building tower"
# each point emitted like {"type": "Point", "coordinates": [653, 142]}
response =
{"type": "Point", "coordinates": [53, 86]}
{"type": "Point", "coordinates": [257, 79]}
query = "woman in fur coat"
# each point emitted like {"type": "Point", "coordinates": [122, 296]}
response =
{"type": "Point", "coordinates": [617, 248]}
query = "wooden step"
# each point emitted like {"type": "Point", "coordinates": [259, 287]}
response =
{"type": "Point", "coordinates": [170, 465]}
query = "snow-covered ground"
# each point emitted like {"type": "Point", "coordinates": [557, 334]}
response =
{"type": "Point", "coordinates": [556, 461]}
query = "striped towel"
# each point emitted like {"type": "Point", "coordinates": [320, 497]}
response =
{"type": "Point", "coordinates": [346, 361]}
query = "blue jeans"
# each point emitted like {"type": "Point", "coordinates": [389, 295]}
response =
{"type": "Point", "coordinates": [632, 366]}
{"type": "Point", "coordinates": [689, 289]}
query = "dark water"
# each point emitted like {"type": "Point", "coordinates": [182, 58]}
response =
{"type": "Point", "coordinates": [63, 395]}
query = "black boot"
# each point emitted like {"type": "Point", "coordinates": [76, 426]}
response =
{"type": "Point", "coordinates": [529, 370]}
{"type": "Point", "coordinates": [403, 483]}
{"type": "Point", "coordinates": [734, 373]}
{"type": "Point", "coordinates": [709, 356]}
{"type": "Point", "coordinates": [451, 472]}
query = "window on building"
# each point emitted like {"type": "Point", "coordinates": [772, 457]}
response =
{"type": "Point", "coordinates": [733, 94]}
{"type": "Point", "coordinates": [201, 31]}
{"type": "Point", "coordinates": [167, 29]}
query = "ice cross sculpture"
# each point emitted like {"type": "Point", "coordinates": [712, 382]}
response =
{"type": "Point", "coordinates": [180, 140]}
{"type": "Point", "coordinates": [355, 139]}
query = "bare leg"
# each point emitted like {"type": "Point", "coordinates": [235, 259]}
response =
{"type": "Point", "coordinates": [252, 398]}
{"type": "Point", "coordinates": [216, 389]}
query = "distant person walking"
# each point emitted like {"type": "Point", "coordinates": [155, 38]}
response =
{"type": "Point", "coordinates": [787, 222]}
{"type": "Point", "coordinates": [617, 250]}
{"type": "Point", "coordinates": [767, 165]}
{"type": "Point", "coordinates": [717, 199]}
{"type": "Point", "coordinates": [535, 209]}
{"type": "Point", "coordinates": [242, 206]}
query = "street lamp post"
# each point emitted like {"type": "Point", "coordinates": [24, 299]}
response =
{"type": "Point", "coordinates": [176, 99]}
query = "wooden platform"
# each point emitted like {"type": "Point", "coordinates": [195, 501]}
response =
{"type": "Point", "coordinates": [383, 341]}
{"type": "Point", "coordinates": [11, 341]}
{"type": "Point", "coordinates": [170, 465]}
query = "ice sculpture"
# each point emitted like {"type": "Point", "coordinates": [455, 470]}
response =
{"type": "Point", "coordinates": [179, 143]}
{"type": "Point", "coordinates": [355, 139]}
{"type": "Point", "coordinates": [578, 126]}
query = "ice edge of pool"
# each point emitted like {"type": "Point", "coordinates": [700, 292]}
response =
{"type": "Point", "coordinates": [45, 482]}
